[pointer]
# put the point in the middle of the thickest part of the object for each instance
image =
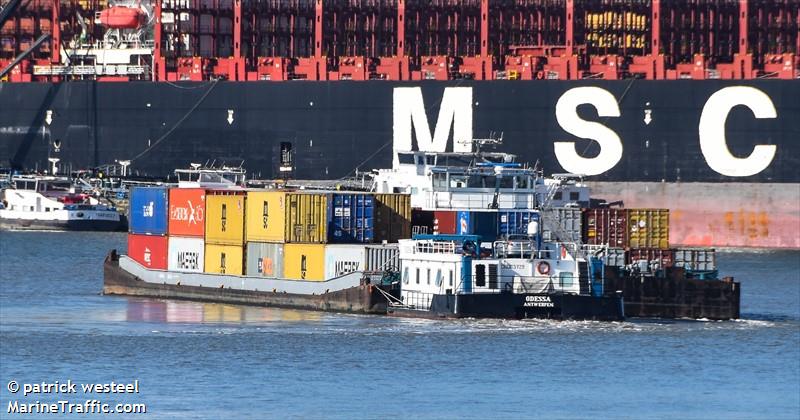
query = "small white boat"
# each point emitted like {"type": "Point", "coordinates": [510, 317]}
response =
{"type": "Point", "coordinates": [50, 203]}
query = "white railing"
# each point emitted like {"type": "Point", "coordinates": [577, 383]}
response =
{"type": "Point", "coordinates": [479, 200]}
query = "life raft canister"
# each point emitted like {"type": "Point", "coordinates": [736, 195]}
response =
{"type": "Point", "coordinates": [543, 267]}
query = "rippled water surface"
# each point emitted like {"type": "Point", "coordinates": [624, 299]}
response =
{"type": "Point", "coordinates": [218, 361]}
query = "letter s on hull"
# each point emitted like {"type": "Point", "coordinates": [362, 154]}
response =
{"type": "Point", "coordinates": [712, 131]}
{"type": "Point", "coordinates": [568, 119]}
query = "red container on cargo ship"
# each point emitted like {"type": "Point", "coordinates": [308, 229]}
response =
{"type": "Point", "coordinates": [187, 211]}
{"type": "Point", "coordinates": [665, 257]}
{"type": "Point", "coordinates": [148, 250]}
{"type": "Point", "coordinates": [606, 227]}
{"type": "Point", "coordinates": [444, 222]}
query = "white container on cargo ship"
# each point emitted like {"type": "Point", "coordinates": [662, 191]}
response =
{"type": "Point", "coordinates": [381, 257]}
{"type": "Point", "coordinates": [343, 259]}
{"type": "Point", "coordinates": [186, 254]}
{"type": "Point", "coordinates": [264, 260]}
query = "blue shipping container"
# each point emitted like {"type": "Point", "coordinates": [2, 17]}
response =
{"type": "Point", "coordinates": [515, 222]}
{"type": "Point", "coordinates": [481, 223]}
{"type": "Point", "coordinates": [148, 211]}
{"type": "Point", "coordinates": [351, 218]}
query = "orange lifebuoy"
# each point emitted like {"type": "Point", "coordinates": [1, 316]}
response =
{"type": "Point", "coordinates": [543, 267]}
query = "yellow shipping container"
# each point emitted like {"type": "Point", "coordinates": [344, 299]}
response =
{"type": "Point", "coordinates": [649, 228]}
{"type": "Point", "coordinates": [392, 217]}
{"type": "Point", "coordinates": [224, 259]}
{"type": "Point", "coordinates": [266, 216]}
{"type": "Point", "coordinates": [225, 218]}
{"type": "Point", "coordinates": [303, 261]}
{"type": "Point", "coordinates": [307, 218]}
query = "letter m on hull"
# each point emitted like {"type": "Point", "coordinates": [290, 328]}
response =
{"type": "Point", "coordinates": [455, 110]}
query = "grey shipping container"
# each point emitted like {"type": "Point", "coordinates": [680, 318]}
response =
{"type": "Point", "coordinates": [696, 259]}
{"type": "Point", "coordinates": [562, 224]}
{"type": "Point", "coordinates": [264, 259]}
{"type": "Point", "coordinates": [381, 257]}
{"type": "Point", "coordinates": [612, 257]}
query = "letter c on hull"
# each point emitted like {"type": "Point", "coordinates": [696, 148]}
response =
{"type": "Point", "coordinates": [568, 119]}
{"type": "Point", "coordinates": [712, 131]}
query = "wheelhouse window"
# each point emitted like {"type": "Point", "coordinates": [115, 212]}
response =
{"type": "Point", "coordinates": [557, 196]}
{"type": "Point", "coordinates": [450, 272]}
{"type": "Point", "coordinates": [493, 276]}
{"type": "Point", "coordinates": [417, 275]}
{"type": "Point", "coordinates": [440, 180]}
{"type": "Point", "coordinates": [428, 277]}
{"type": "Point", "coordinates": [458, 181]}
{"type": "Point", "coordinates": [565, 279]}
{"type": "Point", "coordinates": [480, 275]}
{"type": "Point", "coordinates": [438, 278]}
{"type": "Point", "coordinates": [574, 196]}
{"type": "Point", "coordinates": [406, 158]}
{"type": "Point", "coordinates": [405, 275]}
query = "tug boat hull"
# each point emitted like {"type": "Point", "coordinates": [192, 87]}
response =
{"type": "Point", "coordinates": [558, 306]}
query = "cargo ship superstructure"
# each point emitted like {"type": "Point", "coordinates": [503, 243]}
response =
{"type": "Point", "coordinates": [680, 104]}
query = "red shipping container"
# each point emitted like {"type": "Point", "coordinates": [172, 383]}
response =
{"type": "Point", "coordinates": [444, 222]}
{"type": "Point", "coordinates": [187, 211]}
{"type": "Point", "coordinates": [664, 257]}
{"type": "Point", "coordinates": [606, 227]}
{"type": "Point", "coordinates": [148, 250]}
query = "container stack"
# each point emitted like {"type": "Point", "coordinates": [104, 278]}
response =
{"type": "Point", "coordinates": [634, 235]}
{"type": "Point", "coordinates": [489, 225]}
{"type": "Point", "coordinates": [187, 228]}
{"type": "Point", "coordinates": [225, 221]}
{"type": "Point", "coordinates": [315, 236]}
{"type": "Point", "coordinates": [147, 238]}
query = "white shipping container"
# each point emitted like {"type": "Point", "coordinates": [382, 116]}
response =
{"type": "Point", "coordinates": [379, 258]}
{"type": "Point", "coordinates": [264, 260]}
{"type": "Point", "coordinates": [186, 254]}
{"type": "Point", "coordinates": [343, 259]}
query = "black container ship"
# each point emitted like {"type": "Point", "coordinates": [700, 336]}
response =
{"type": "Point", "coordinates": [682, 104]}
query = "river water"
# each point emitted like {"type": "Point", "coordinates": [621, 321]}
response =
{"type": "Point", "coordinates": [200, 360]}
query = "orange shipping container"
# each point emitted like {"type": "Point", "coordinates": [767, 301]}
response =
{"type": "Point", "coordinates": [187, 210]}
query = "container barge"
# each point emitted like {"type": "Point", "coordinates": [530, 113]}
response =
{"type": "Point", "coordinates": [510, 254]}
{"type": "Point", "coordinates": [687, 105]}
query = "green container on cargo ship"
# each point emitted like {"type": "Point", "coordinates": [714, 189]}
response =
{"type": "Point", "coordinates": [648, 228]}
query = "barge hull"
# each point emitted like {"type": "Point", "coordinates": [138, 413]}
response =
{"type": "Point", "coordinates": [676, 297]}
{"type": "Point", "coordinates": [362, 299]}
